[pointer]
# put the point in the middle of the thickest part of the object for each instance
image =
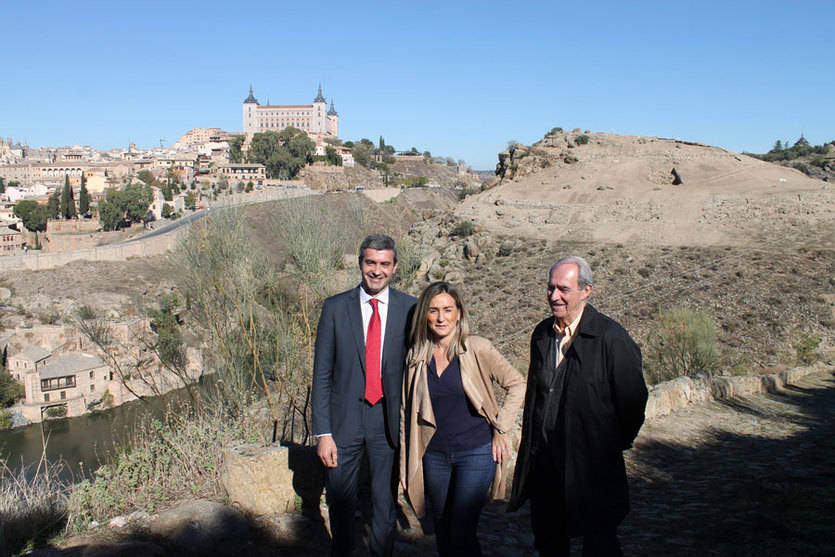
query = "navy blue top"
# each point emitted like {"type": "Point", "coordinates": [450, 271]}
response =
{"type": "Point", "coordinates": [459, 426]}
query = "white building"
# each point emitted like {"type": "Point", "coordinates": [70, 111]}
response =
{"type": "Point", "coordinates": [312, 119]}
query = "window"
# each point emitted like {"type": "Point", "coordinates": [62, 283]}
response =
{"type": "Point", "coordinates": [63, 395]}
{"type": "Point", "coordinates": [92, 387]}
{"type": "Point", "coordinates": [91, 375]}
{"type": "Point", "coordinates": [46, 397]}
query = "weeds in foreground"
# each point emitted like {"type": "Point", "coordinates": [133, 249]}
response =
{"type": "Point", "coordinates": [32, 509]}
{"type": "Point", "coordinates": [178, 456]}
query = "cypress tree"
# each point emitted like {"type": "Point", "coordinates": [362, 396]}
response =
{"type": "Point", "coordinates": [83, 197]}
{"type": "Point", "coordinates": [53, 206]}
{"type": "Point", "coordinates": [67, 209]}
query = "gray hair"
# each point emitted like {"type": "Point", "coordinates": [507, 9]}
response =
{"type": "Point", "coordinates": [377, 242]}
{"type": "Point", "coordinates": [584, 275]}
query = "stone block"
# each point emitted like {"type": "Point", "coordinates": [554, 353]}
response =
{"type": "Point", "coordinates": [747, 385]}
{"type": "Point", "coordinates": [721, 388]}
{"type": "Point", "coordinates": [259, 478]}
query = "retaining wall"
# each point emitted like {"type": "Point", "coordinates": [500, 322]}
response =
{"type": "Point", "coordinates": [669, 396]}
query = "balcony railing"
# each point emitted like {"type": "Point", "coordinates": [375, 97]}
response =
{"type": "Point", "coordinates": [58, 383]}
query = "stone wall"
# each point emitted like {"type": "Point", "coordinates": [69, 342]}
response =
{"type": "Point", "coordinates": [142, 247]}
{"type": "Point", "coordinates": [669, 396]}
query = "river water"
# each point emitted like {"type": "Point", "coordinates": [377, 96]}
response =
{"type": "Point", "coordinates": [82, 443]}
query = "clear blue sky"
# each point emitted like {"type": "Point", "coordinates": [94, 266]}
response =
{"type": "Point", "coordinates": [460, 79]}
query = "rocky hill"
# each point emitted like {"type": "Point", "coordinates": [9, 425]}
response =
{"type": "Point", "coordinates": [746, 241]}
{"type": "Point", "coordinates": [348, 178]}
{"type": "Point", "coordinates": [628, 189]}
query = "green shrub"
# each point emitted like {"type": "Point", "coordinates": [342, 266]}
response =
{"type": "Point", "coordinates": [409, 256]}
{"type": "Point", "coordinates": [86, 313]}
{"type": "Point", "coordinates": [505, 249]}
{"type": "Point", "coordinates": [581, 139]}
{"type": "Point", "coordinates": [805, 346]}
{"type": "Point", "coordinates": [463, 192]}
{"type": "Point", "coordinates": [56, 412]}
{"type": "Point", "coordinates": [684, 341]}
{"type": "Point", "coordinates": [5, 419]}
{"type": "Point", "coordinates": [463, 228]}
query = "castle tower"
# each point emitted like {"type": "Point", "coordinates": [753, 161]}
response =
{"type": "Point", "coordinates": [318, 122]}
{"type": "Point", "coordinates": [333, 121]}
{"type": "Point", "coordinates": [250, 111]}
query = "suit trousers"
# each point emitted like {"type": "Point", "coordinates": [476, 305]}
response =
{"type": "Point", "coordinates": [548, 516]}
{"type": "Point", "coordinates": [342, 483]}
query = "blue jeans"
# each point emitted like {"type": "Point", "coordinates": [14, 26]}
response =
{"type": "Point", "coordinates": [456, 485]}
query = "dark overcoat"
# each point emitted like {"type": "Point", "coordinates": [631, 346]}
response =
{"type": "Point", "coordinates": [603, 400]}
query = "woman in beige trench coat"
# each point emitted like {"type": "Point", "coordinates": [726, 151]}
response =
{"type": "Point", "coordinates": [453, 433]}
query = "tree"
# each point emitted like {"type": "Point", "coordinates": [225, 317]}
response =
{"type": "Point", "coordinates": [53, 205]}
{"type": "Point", "coordinates": [32, 214]}
{"type": "Point", "coordinates": [235, 149]}
{"type": "Point", "coordinates": [83, 197]}
{"type": "Point", "coordinates": [778, 146]}
{"type": "Point", "coordinates": [67, 210]}
{"type": "Point", "coordinates": [363, 154]}
{"type": "Point", "coordinates": [111, 215]}
{"type": "Point", "coordinates": [169, 345]}
{"type": "Point", "coordinates": [10, 390]}
{"type": "Point", "coordinates": [2, 185]}
{"type": "Point", "coordinates": [283, 154]}
{"type": "Point", "coordinates": [332, 157]}
{"type": "Point", "coordinates": [146, 176]}
{"type": "Point", "coordinates": [190, 200]}
{"type": "Point", "coordinates": [167, 210]}
{"type": "Point", "coordinates": [127, 205]}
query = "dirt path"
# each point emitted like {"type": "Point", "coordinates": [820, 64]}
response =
{"type": "Point", "coordinates": [710, 480]}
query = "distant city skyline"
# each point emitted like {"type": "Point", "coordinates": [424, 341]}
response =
{"type": "Point", "coordinates": [458, 79]}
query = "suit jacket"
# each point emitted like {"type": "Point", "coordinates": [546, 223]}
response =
{"type": "Point", "coordinates": [601, 411]}
{"type": "Point", "coordinates": [481, 366]}
{"type": "Point", "coordinates": [339, 364]}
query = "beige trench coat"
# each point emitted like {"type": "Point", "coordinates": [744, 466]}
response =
{"type": "Point", "coordinates": [481, 365]}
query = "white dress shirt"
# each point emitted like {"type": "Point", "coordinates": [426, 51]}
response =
{"type": "Point", "coordinates": [367, 311]}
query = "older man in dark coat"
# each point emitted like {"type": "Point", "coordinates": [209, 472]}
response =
{"type": "Point", "coordinates": [584, 406]}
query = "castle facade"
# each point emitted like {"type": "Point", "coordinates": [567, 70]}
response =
{"type": "Point", "coordinates": [313, 119]}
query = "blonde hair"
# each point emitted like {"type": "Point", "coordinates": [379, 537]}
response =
{"type": "Point", "coordinates": [419, 339]}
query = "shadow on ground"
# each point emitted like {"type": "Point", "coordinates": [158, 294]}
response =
{"type": "Point", "coordinates": [770, 491]}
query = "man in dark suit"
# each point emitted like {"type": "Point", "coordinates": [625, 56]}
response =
{"type": "Point", "coordinates": [584, 406]}
{"type": "Point", "coordinates": [357, 377]}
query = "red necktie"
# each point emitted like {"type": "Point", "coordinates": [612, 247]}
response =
{"type": "Point", "coordinates": [373, 383]}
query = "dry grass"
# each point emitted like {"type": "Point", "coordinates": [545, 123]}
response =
{"type": "Point", "coordinates": [32, 507]}
{"type": "Point", "coordinates": [179, 456]}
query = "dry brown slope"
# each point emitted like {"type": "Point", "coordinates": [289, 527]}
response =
{"type": "Point", "coordinates": [618, 188]}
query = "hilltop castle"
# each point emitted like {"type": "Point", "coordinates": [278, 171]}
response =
{"type": "Point", "coordinates": [313, 119]}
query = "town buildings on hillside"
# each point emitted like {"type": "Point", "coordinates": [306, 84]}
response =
{"type": "Point", "coordinates": [198, 161]}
